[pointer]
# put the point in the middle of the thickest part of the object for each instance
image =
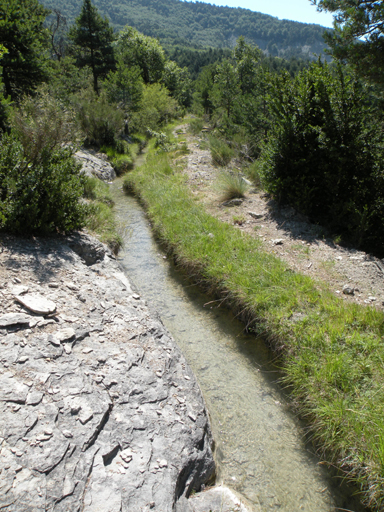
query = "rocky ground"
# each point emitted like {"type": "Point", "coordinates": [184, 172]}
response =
{"type": "Point", "coordinates": [353, 275]}
{"type": "Point", "coordinates": [99, 409]}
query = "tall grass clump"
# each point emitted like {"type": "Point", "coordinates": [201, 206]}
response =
{"type": "Point", "coordinates": [332, 353]}
{"type": "Point", "coordinates": [232, 185]}
{"type": "Point", "coordinates": [221, 153]}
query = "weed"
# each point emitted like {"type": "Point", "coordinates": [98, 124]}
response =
{"type": "Point", "coordinates": [238, 219]}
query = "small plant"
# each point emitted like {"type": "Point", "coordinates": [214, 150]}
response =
{"type": "Point", "coordinates": [221, 153]}
{"type": "Point", "coordinates": [238, 220]}
{"type": "Point", "coordinates": [232, 185]}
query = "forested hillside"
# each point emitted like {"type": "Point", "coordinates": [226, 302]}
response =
{"type": "Point", "coordinates": [200, 25]}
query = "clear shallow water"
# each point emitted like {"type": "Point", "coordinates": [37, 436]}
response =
{"type": "Point", "coordinates": [261, 450]}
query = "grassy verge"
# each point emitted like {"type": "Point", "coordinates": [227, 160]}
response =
{"type": "Point", "coordinates": [100, 219]}
{"type": "Point", "coordinates": [332, 352]}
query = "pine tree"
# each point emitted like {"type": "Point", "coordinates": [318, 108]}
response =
{"type": "Point", "coordinates": [92, 37]}
{"type": "Point", "coordinates": [26, 40]}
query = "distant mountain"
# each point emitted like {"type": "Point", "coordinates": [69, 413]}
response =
{"type": "Point", "coordinates": [199, 25]}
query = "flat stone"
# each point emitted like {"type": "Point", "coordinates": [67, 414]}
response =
{"type": "Point", "coordinates": [37, 303]}
{"type": "Point", "coordinates": [19, 290]}
{"type": "Point", "coordinates": [10, 319]}
{"type": "Point", "coordinates": [34, 398]}
{"type": "Point", "coordinates": [65, 335]}
{"type": "Point", "coordinates": [278, 241]}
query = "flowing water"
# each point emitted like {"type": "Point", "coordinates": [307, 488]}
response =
{"type": "Point", "coordinates": [261, 448]}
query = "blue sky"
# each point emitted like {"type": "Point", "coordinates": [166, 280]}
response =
{"type": "Point", "coordinates": [297, 10]}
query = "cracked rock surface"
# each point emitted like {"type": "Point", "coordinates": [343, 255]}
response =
{"type": "Point", "coordinates": [99, 410]}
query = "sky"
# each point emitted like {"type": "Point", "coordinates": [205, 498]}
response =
{"type": "Point", "coordinates": [297, 10]}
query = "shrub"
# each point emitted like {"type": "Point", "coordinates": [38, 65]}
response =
{"type": "Point", "coordinates": [100, 121]}
{"type": "Point", "coordinates": [221, 153]}
{"type": "Point", "coordinates": [157, 109]}
{"type": "Point", "coordinates": [41, 195]}
{"type": "Point", "coordinates": [195, 126]}
{"type": "Point", "coordinates": [324, 155]}
{"type": "Point", "coordinates": [42, 124]}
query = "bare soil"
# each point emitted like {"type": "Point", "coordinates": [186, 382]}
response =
{"type": "Point", "coordinates": [352, 274]}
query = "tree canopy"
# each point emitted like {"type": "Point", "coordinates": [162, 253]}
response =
{"type": "Point", "coordinates": [92, 36]}
{"type": "Point", "coordinates": [359, 34]}
{"type": "Point", "coordinates": [26, 40]}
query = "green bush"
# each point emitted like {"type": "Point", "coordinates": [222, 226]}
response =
{"type": "Point", "coordinates": [157, 109]}
{"type": "Point", "coordinates": [40, 196]}
{"type": "Point", "coordinates": [121, 160]}
{"type": "Point", "coordinates": [100, 121]}
{"type": "Point", "coordinates": [324, 154]}
{"type": "Point", "coordinates": [221, 153]}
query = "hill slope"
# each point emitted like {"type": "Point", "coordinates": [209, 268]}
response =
{"type": "Point", "coordinates": [198, 24]}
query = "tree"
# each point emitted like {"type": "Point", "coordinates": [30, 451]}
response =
{"type": "Point", "coordinates": [93, 36]}
{"type": "Point", "coordinates": [247, 58]}
{"type": "Point", "coordinates": [226, 89]}
{"type": "Point", "coordinates": [359, 34]}
{"type": "Point", "coordinates": [177, 80]}
{"type": "Point", "coordinates": [136, 49]}
{"type": "Point", "coordinates": [23, 35]}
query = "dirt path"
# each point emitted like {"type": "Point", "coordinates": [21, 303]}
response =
{"type": "Point", "coordinates": [352, 274]}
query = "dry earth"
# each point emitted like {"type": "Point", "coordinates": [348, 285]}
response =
{"type": "Point", "coordinates": [352, 274]}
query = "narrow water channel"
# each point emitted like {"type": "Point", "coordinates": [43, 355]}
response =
{"type": "Point", "coordinates": [261, 450]}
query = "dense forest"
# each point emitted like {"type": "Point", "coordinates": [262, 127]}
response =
{"type": "Point", "coordinates": [199, 25]}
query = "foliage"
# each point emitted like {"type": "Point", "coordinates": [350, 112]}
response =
{"type": "Point", "coordinates": [157, 108]}
{"type": "Point", "coordinates": [66, 78]}
{"type": "Point", "coordinates": [226, 88]}
{"type": "Point", "coordinates": [125, 87]}
{"type": "Point", "coordinates": [92, 37]}
{"type": "Point", "coordinates": [42, 125]}
{"type": "Point", "coordinates": [23, 35]}
{"type": "Point", "coordinates": [201, 25]}
{"type": "Point", "coordinates": [100, 121]}
{"type": "Point", "coordinates": [178, 83]}
{"type": "Point", "coordinates": [122, 161]}
{"type": "Point", "coordinates": [41, 195]}
{"type": "Point", "coordinates": [136, 49]}
{"type": "Point", "coordinates": [359, 34]}
{"type": "Point", "coordinates": [221, 153]}
{"type": "Point", "coordinates": [323, 157]}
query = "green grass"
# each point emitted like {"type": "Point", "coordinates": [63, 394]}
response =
{"type": "Point", "coordinates": [333, 358]}
{"type": "Point", "coordinates": [231, 185]}
{"type": "Point", "coordinates": [100, 219]}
